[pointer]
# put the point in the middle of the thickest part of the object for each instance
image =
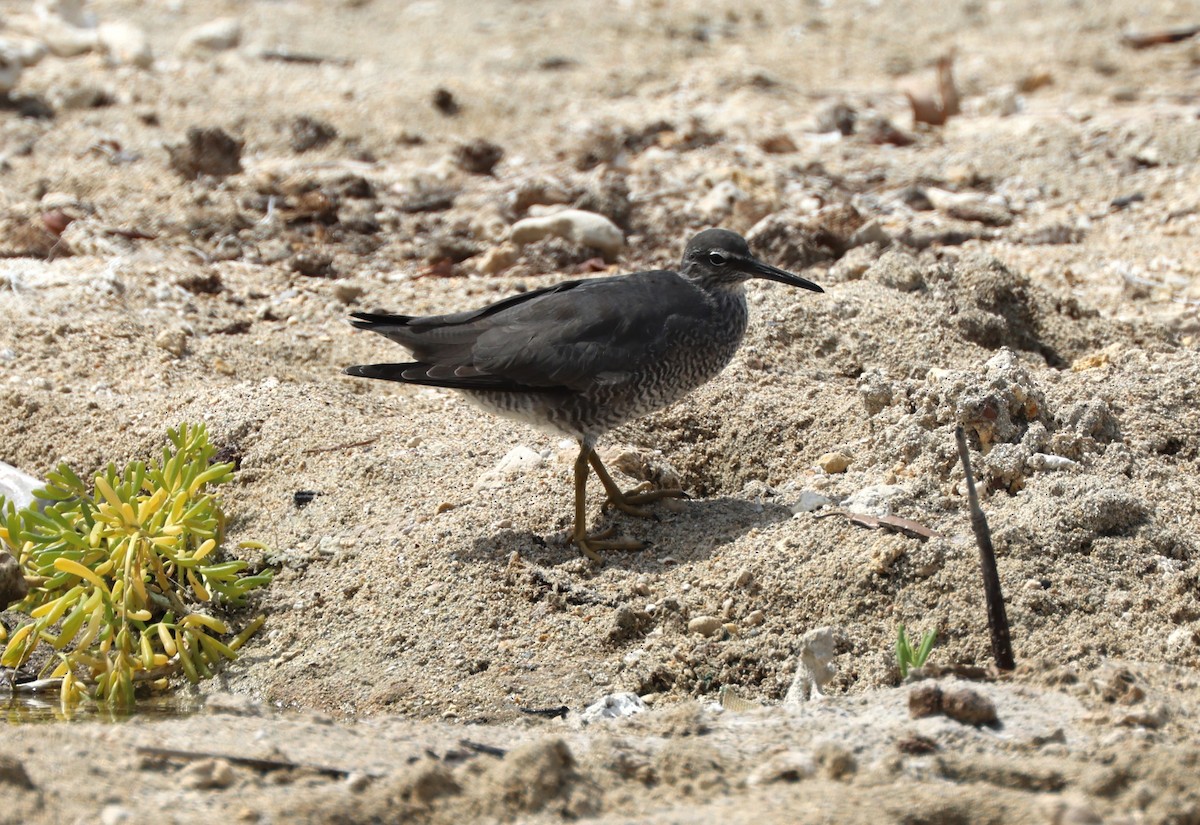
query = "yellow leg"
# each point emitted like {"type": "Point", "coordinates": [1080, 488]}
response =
{"type": "Point", "coordinates": [590, 545]}
{"type": "Point", "coordinates": [626, 502]}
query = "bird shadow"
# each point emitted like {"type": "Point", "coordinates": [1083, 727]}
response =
{"type": "Point", "coordinates": [679, 532]}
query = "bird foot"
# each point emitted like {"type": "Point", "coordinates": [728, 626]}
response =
{"type": "Point", "coordinates": [628, 502]}
{"type": "Point", "coordinates": [591, 545]}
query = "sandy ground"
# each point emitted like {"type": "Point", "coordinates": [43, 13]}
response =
{"type": "Point", "coordinates": [1026, 271]}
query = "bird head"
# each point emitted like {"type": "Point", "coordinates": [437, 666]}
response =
{"type": "Point", "coordinates": [718, 257]}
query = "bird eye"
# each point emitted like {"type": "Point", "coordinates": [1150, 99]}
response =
{"type": "Point", "coordinates": [717, 258]}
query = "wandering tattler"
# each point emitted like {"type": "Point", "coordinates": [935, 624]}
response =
{"type": "Point", "coordinates": [583, 357]}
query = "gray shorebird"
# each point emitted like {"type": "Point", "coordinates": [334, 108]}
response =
{"type": "Point", "coordinates": [582, 357]}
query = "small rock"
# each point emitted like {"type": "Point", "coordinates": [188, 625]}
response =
{"type": "Point", "coordinates": [444, 101]}
{"type": "Point", "coordinates": [870, 232]}
{"type": "Point", "coordinates": [896, 270]}
{"type": "Point", "coordinates": [837, 760]}
{"type": "Point", "coordinates": [114, 814]}
{"type": "Point", "coordinates": [584, 228]}
{"type": "Point", "coordinates": [125, 44]}
{"type": "Point", "coordinates": [10, 73]}
{"type": "Point", "coordinates": [173, 341]}
{"type": "Point", "coordinates": [809, 501]}
{"type": "Point", "coordinates": [815, 667]}
{"type": "Point", "coordinates": [925, 699]}
{"type": "Point", "coordinates": [754, 618]}
{"type": "Point", "coordinates": [347, 293]}
{"type": "Point", "coordinates": [313, 264]}
{"type": "Point", "coordinates": [207, 151]}
{"type": "Point", "coordinates": [874, 500]}
{"type": "Point", "coordinates": [1049, 463]}
{"type": "Point", "coordinates": [612, 706]}
{"type": "Point", "coordinates": [215, 36]}
{"type": "Point", "coordinates": [838, 117]}
{"type": "Point", "coordinates": [207, 774]}
{"type": "Point", "coordinates": [479, 157]}
{"type": "Point", "coordinates": [1181, 638]}
{"type": "Point", "coordinates": [17, 486]}
{"type": "Point", "coordinates": [777, 144]}
{"type": "Point", "coordinates": [66, 40]}
{"type": "Point", "coordinates": [12, 580]}
{"type": "Point", "coordinates": [1002, 102]}
{"type": "Point", "coordinates": [628, 624]}
{"type": "Point", "coordinates": [968, 706]}
{"type": "Point", "coordinates": [743, 579]}
{"type": "Point", "coordinates": [789, 766]}
{"type": "Point", "coordinates": [834, 462]}
{"type": "Point", "coordinates": [516, 462]}
{"type": "Point", "coordinates": [497, 259]}
{"type": "Point", "coordinates": [1076, 814]}
{"type": "Point", "coordinates": [12, 772]}
{"type": "Point", "coordinates": [310, 133]}
{"type": "Point", "coordinates": [705, 625]}
{"type": "Point", "coordinates": [1153, 717]}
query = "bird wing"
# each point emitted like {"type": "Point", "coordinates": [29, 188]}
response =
{"type": "Point", "coordinates": [566, 337]}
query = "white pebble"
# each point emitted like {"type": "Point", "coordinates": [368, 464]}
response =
{"type": "Point", "coordinates": [215, 36]}
{"type": "Point", "coordinates": [705, 625]}
{"type": "Point", "coordinates": [584, 228]}
{"type": "Point", "coordinates": [125, 44]}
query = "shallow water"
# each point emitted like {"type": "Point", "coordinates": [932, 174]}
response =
{"type": "Point", "coordinates": [45, 707]}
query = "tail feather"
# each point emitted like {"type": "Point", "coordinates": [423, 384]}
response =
{"type": "Point", "coordinates": [432, 375]}
{"type": "Point", "coordinates": [371, 320]}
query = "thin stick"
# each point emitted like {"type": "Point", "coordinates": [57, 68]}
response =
{"type": "Point", "coordinates": [245, 761]}
{"type": "Point", "coordinates": [997, 618]}
{"type": "Point", "coordinates": [363, 443]}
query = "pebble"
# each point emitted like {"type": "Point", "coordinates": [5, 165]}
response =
{"type": "Point", "coordinates": [12, 772]}
{"type": "Point", "coordinates": [115, 815]}
{"type": "Point", "coordinates": [870, 232]}
{"type": "Point", "coordinates": [925, 699]}
{"type": "Point", "coordinates": [12, 580]}
{"type": "Point", "coordinates": [896, 270]}
{"type": "Point", "coordinates": [125, 44]}
{"type": "Point", "coordinates": [1049, 463]}
{"type": "Point", "coordinates": [206, 774]}
{"type": "Point", "coordinates": [498, 259]}
{"type": "Point", "coordinates": [809, 501]}
{"type": "Point", "coordinates": [754, 618]}
{"type": "Point", "coordinates": [874, 500]}
{"type": "Point", "coordinates": [705, 625]}
{"type": "Point", "coordinates": [18, 486]}
{"type": "Point", "coordinates": [347, 293]}
{"type": "Point", "coordinates": [612, 706]}
{"type": "Point", "coordinates": [969, 707]}
{"type": "Point", "coordinates": [837, 760]}
{"type": "Point", "coordinates": [584, 228]}
{"type": "Point", "coordinates": [834, 462]}
{"type": "Point", "coordinates": [10, 66]}
{"type": "Point", "coordinates": [66, 40]}
{"type": "Point", "coordinates": [516, 462]}
{"type": "Point", "coordinates": [215, 36]}
{"type": "Point", "coordinates": [815, 667]}
{"type": "Point", "coordinates": [789, 766]}
{"type": "Point", "coordinates": [173, 341]}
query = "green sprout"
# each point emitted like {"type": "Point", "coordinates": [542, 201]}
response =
{"type": "Point", "coordinates": [906, 657]}
{"type": "Point", "coordinates": [123, 577]}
